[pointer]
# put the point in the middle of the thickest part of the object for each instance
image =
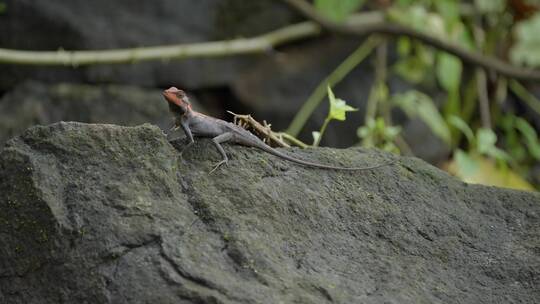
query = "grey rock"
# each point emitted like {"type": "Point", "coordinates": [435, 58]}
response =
{"type": "Point", "coordinates": [424, 144]}
{"type": "Point", "coordinates": [110, 214]}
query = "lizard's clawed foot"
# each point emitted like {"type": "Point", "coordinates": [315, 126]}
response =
{"type": "Point", "coordinates": [171, 128]}
{"type": "Point", "coordinates": [185, 148]}
{"type": "Point", "coordinates": [223, 162]}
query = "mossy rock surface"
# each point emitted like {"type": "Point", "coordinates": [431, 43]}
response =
{"type": "Point", "coordinates": [93, 213]}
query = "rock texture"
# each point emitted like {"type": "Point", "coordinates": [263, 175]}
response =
{"type": "Point", "coordinates": [109, 214]}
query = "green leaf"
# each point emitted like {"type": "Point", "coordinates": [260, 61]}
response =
{"type": "Point", "coordinates": [2, 7]}
{"type": "Point", "coordinates": [462, 35]}
{"type": "Point", "coordinates": [415, 103]}
{"type": "Point", "coordinates": [411, 69]}
{"type": "Point", "coordinates": [526, 50]}
{"type": "Point", "coordinates": [485, 141]}
{"type": "Point", "coordinates": [338, 107]}
{"type": "Point", "coordinates": [461, 125]}
{"type": "Point", "coordinates": [490, 6]}
{"type": "Point", "coordinates": [467, 166]}
{"type": "Point", "coordinates": [405, 3]}
{"type": "Point", "coordinates": [338, 10]}
{"type": "Point", "coordinates": [434, 24]}
{"type": "Point", "coordinates": [448, 69]}
{"type": "Point", "coordinates": [531, 138]}
{"type": "Point", "coordinates": [362, 132]}
{"type": "Point", "coordinates": [419, 18]}
{"type": "Point", "coordinates": [414, 16]}
{"type": "Point", "coordinates": [392, 131]}
{"type": "Point", "coordinates": [375, 133]}
{"type": "Point", "coordinates": [449, 9]}
{"type": "Point", "coordinates": [417, 65]}
{"type": "Point", "coordinates": [477, 169]}
{"type": "Point", "coordinates": [404, 46]}
{"type": "Point", "coordinates": [512, 139]}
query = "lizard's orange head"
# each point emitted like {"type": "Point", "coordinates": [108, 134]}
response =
{"type": "Point", "coordinates": [177, 99]}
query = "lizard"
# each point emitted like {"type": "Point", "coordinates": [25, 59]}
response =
{"type": "Point", "coordinates": [195, 124]}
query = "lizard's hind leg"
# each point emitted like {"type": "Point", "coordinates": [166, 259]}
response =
{"type": "Point", "coordinates": [218, 140]}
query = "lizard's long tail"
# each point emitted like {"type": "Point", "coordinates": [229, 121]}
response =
{"type": "Point", "coordinates": [275, 152]}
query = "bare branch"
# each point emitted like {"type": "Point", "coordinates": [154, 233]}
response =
{"type": "Point", "coordinates": [258, 44]}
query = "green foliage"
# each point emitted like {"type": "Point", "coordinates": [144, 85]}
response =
{"type": "Point", "coordinates": [417, 64]}
{"type": "Point", "coordinates": [3, 7]}
{"type": "Point", "coordinates": [416, 61]}
{"type": "Point", "coordinates": [412, 15]}
{"type": "Point", "coordinates": [526, 50]}
{"type": "Point", "coordinates": [475, 165]}
{"type": "Point", "coordinates": [462, 126]}
{"type": "Point", "coordinates": [512, 139]}
{"type": "Point", "coordinates": [448, 71]}
{"type": "Point", "coordinates": [449, 11]}
{"type": "Point", "coordinates": [338, 110]}
{"type": "Point", "coordinates": [341, 71]}
{"type": "Point", "coordinates": [466, 164]}
{"type": "Point", "coordinates": [473, 168]}
{"type": "Point", "coordinates": [490, 6]}
{"type": "Point", "coordinates": [421, 65]}
{"type": "Point", "coordinates": [489, 154]}
{"type": "Point", "coordinates": [530, 137]}
{"type": "Point", "coordinates": [375, 133]}
{"type": "Point", "coordinates": [485, 145]}
{"type": "Point", "coordinates": [417, 104]}
{"type": "Point", "coordinates": [521, 139]}
{"type": "Point", "coordinates": [338, 10]}
{"type": "Point", "coordinates": [524, 95]}
{"type": "Point", "coordinates": [338, 107]}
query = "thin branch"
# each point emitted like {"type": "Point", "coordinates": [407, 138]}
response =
{"type": "Point", "coordinates": [501, 90]}
{"type": "Point", "coordinates": [293, 140]}
{"type": "Point", "coordinates": [321, 132]}
{"type": "Point", "coordinates": [483, 98]}
{"type": "Point", "coordinates": [336, 76]}
{"type": "Point", "coordinates": [481, 81]}
{"type": "Point", "coordinates": [257, 44]}
{"type": "Point", "coordinates": [263, 131]}
{"type": "Point", "coordinates": [379, 82]}
{"type": "Point", "coordinates": [403, 146]}
{"type": "Point", "coordinates": [381, 27]}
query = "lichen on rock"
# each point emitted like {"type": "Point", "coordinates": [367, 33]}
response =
{"type": "Point", "coordinates": [108, 214]}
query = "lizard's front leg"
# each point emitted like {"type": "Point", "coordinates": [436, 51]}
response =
{"type": "Point", "coordinates": [217, 142]}
{"type": "Point", "coordinates": [170, 127]}
{"type": "Point", "coordinates": [185, 126]}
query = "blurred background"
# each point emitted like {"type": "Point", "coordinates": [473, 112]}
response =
{"type": "Point", "coordinates": [401, 94]}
